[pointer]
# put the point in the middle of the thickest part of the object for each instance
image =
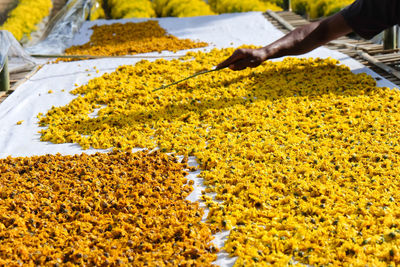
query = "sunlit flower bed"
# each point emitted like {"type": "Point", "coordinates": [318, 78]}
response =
{"type": "Point", "coordinates": [112, 209]}
{"type": "Point", "coordinates": [131, 9]}
{"type": "Point", "coordinates": [188, 8]}
{"type": "Point", "coordinates": [319, 8]}
{"type": "Point", "coordinates": [97, 11]}
{"type": "Point", "coordinates": [131, 38]}
{"type": "Point", "coordinates": [23, 19]}
{"type": "Point", "coordinates": [181, 8]}
{"type": "Point", "coordinates": [232, 6]}
{"type": "Point", "coordinates": [303, 154]}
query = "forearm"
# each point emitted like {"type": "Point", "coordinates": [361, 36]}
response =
{"type": "Point", "coordinates": [308, 37]}
{"type": "Point", "coordinates": [299, 41]}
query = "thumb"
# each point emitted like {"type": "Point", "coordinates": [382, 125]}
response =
{"type": "Point", "coordinates": [237, 55]}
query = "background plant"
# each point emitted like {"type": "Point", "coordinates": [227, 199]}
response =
{"type": "Point", "coordinates": [26, 16]}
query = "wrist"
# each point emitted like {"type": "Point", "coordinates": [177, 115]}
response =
{"type": "Point", "coordinates": [263, 53]}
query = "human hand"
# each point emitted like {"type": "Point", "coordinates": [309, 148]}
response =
{"type": "Point", "coordinates": [243, 58]}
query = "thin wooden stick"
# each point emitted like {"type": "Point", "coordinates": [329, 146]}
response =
{"type": "Point", "coordinates": [379, 64]}
{"type": "Point", "coordinates": [187, 78]}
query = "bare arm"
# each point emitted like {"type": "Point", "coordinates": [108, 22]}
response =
{"type": "Point", "coordinates": [297, 42]}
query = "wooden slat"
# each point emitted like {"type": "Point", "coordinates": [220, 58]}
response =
{"type": "Point", "coordinates": [379, 64]}
{"type": "Point", "coordinates": [282, 21]}
{"type": "Point", "coordinates": [16, 79]}
{"type": "Point", "coordinates": [26, 77]}
{"type": "Point", "coordinates": [388, 56]}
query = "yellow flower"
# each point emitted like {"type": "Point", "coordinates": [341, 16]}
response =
{"type": "Point", "coordinates": [115, 208]}
{"type": "Point", "coordinates": [131, 9]}
{"type": "Point", "coordinates": [319, 8]}
{"type": "Point", "coordinates": [131, 38]}
{"type": "Point", "coordinates": [302, 154]}
{"type": "Point", "coordinates": [23, 19]}
{"type": "Point", "coordinates": [232, 6]}
{"type": "Point", "coordinates": [181, 8]}
{"type": "Point", "coordinates": [97, 11]}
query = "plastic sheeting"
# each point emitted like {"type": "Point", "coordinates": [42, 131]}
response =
{"type": "Point", "coordinates": [10, 47]}
{"type": "Point", "coordinates": [63, 27]}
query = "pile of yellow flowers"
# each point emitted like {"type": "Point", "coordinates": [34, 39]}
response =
{"type": "Point", "coordinates": [231, 6]}
{"type": "Point", "coordinates": [103, 209]}
{"type": "Point", "coordinates": [23, 19]}
{"type": "Point", "coordinates": [188, 8]}
{"type": "Point", "coordinates": [181, 8]}
{"type": "Point", "coordinates": [319, 8]}
{"type": "Point", "coordinates": [97, 11]}
{"type": "Point", "coordinates": [275, 2]}
{"type": "Point", "coordinates": [131, 38]}
{"type": "Point", "coordinates": [131, 9]}
{"type": "Point", "coordinates": [302, 154]}
{"type": "Point", "coordinates": [185, 8]}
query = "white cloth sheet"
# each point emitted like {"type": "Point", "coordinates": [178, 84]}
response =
{"type": "Point", "coordinates": [33, 96]}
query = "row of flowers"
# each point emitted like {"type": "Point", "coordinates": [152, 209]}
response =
{"type": "Point", "coordinates": [26, 16]}
{"type": "Point", "coordinates": [179, 8]}
{"type": "Point", "coordinates": [131, 9]}
{"type": "Point", "coordinates": [319, 8]}
{"type": "Point", "coordinates": [188, 8]}
{"type": "Point", "coordinates": [232, 6]}
{"type": "Point", "coordinates": [29, 13]}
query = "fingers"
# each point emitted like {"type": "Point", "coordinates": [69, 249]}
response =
{"type": "Point", "coordinates": [241, 59]}
{"type": "Point", "coordinates": [236, 56]}
{"type": "Point", "coordinates": [244, 63]}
